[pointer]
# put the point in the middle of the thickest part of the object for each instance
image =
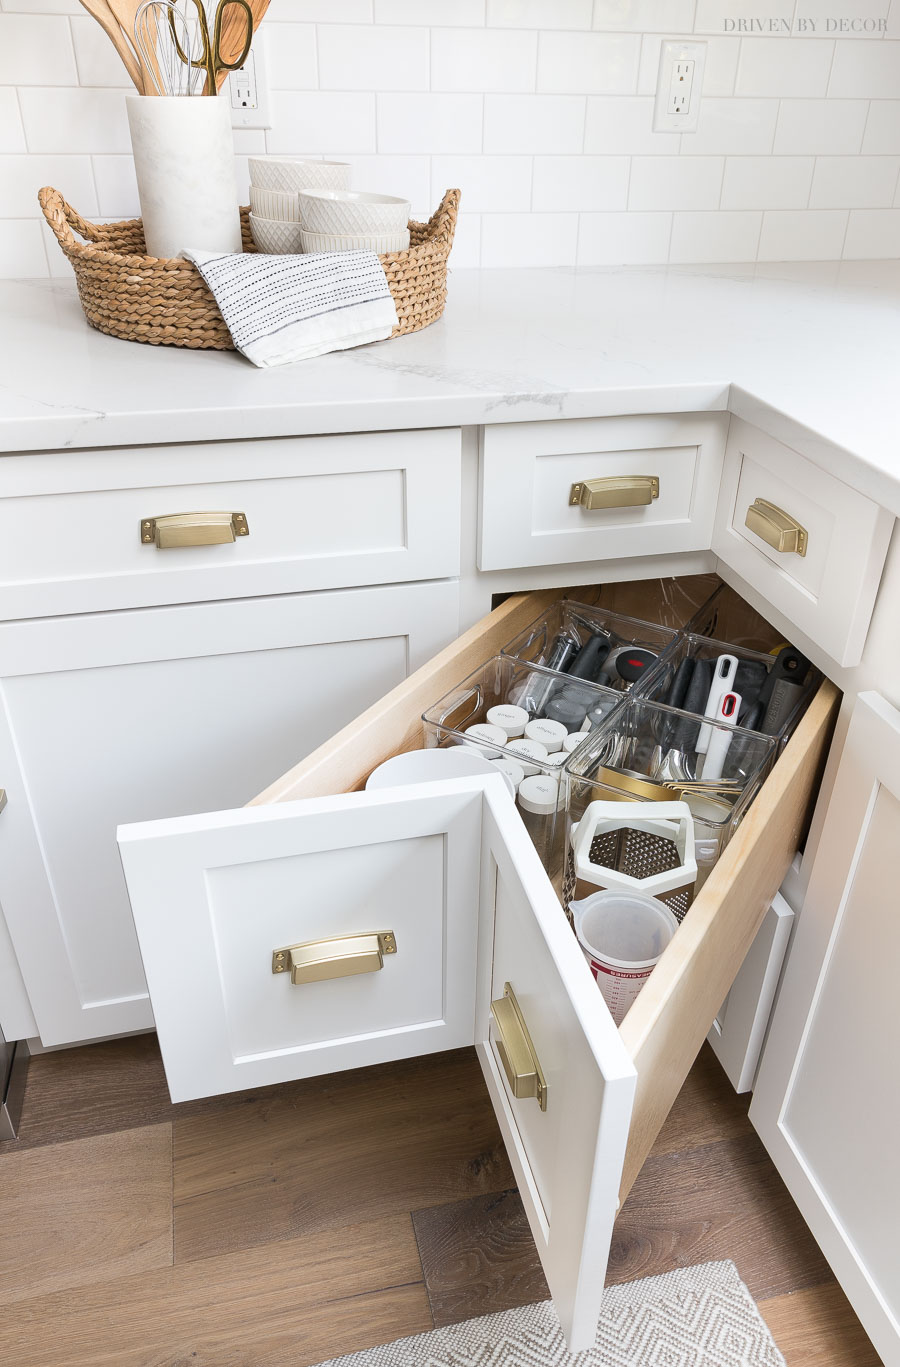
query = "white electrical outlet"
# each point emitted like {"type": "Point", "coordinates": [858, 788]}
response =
{"type": "Point", "coordinates": [248, 92]}
{"type": "Point", "coordinates": [678, 86]}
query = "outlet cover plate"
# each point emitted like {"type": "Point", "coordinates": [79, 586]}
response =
{"type": "Point", "coordinates": [673, 53]}
{"type": "Point", "coordinates": [247, 91]}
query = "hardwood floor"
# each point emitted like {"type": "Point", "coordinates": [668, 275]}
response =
{"type": "Point", "coordinates": [279, 1227]}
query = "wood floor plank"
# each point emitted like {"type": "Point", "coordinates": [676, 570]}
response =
{"type": "Point", "coordinates": [284, 1304]}
{"type": "Point", "coordinates": [478, 1257]}
{"type": "Point", "coordinates": [723, 1200]}
{"type": "Point", "coordinates": [351, 1147]}
{"type": "Point", "coordinates": [817, 1327]}
{"type": "Point", "coordinates": [85, 1211]}
{"type": "Point", "coordinates": [706, 1109]}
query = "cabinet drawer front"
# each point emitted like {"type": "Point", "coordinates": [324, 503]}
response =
{"type": "Point", "coordinates": [529, 471]}
{"type": "Point", "coordinates": [321, 512]}
{"type": "Point", "coordinates": [827, 586]}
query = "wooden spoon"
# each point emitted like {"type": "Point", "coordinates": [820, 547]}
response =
{"type": "Point", "coordinates": [100, 10]}
{"type": "Point", "coordinates": [234, 29]}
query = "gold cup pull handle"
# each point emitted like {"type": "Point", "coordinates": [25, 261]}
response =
{"type": "Point", "coordinates": [776, 527]}
{"type": "Point", "coordinates": [316, 961]}
{"type": "Point", "coordinates": [517, 1054]}
{"type": "Point", "coordinates": [615, 491]}
{"type": "Point", "coordinates": [192, 529]}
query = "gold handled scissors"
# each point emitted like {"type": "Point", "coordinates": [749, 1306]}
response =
{"type": "Point", "coordinates": [211, 59]}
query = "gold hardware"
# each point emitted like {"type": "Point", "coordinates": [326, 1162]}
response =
{"type": "Point", "coordinates": [192, 529]}
{"type": "Point", "coordinates": [317, 960]}
{"type": "Point", "coordinates": [2, 798]}
{"type": "Point", "coordinates": [776, 527]}
{"type": "Point", "coordinates": [616, 491]}
{"type": "Point", "coordinates": [520, 1062]}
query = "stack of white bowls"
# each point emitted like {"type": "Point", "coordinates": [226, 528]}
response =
{"type": "Point", "coordinates": [275, 187]}
{"type": "Point", "coordinates": [353, 221]}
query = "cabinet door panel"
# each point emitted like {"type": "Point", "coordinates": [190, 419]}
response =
{"type": "Point", "coordinates": [131, 716]}
{"type": "Point", "coordinates": [827, 1103]}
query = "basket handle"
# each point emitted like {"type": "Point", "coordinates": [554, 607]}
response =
{"type": "Point", "coordinates": [63, 218]}
{"type": "Point", "coordinates": [443, 220]}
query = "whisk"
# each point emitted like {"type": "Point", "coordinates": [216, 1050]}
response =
{"type": "Point", "coordinates": [164, 41]}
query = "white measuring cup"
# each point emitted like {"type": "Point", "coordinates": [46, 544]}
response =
{"type": "Point", "coordinates": [622, 935]}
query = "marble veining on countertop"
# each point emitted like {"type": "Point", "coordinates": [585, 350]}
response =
{"type": "Point", "coordinates": [809, 352]}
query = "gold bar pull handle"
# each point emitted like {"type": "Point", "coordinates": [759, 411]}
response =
{"type": "Point", "coordinates": [776, 527]}
{"type": "Point", "coordinates": [616, 491]}
{"type": "Point", "coordinates": [520, 1062]}
{"type": "Point", "coordinates": [192, 529]}
{"type": "Point", "coordinates": [2, 798]}
{"type": "Point", "coordinates": [316, 961]}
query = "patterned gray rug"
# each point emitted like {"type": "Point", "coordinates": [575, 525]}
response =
{"type": "Point", "coordinates": [696, 1317]}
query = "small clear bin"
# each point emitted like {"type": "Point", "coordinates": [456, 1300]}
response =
{"type": "Point", "coordinates": [645, 753]}
{"type": "Point", "coordinates": [593, 645]}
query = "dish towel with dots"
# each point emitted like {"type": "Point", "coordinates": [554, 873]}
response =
{"type": "Point", "coordinates": [280, 309]}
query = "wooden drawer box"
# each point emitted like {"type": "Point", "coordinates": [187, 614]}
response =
{"type": "Point", "coordinates": [449, 868]}
{"type": "Point", "coordinates": [321, 513]}
{"type": "Point", "coordinates": [528, 471]}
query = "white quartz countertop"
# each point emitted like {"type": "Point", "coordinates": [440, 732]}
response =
{"type": "Point", "coordinates": [809, 352]}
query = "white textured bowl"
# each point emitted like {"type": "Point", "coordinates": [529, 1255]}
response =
{"type": "Point", "coordinates": [275, 237]}
{"type": "Point", "coordinates": [281, 204]}
{"type": "Point", "coordinates": [364, 242]}
{"type": "Point", "coordinates": [350, 213]}
{"type": "Point", "coordinates": [298, 173]}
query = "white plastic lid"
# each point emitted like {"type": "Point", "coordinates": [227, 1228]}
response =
{"type": "Point", "coordinates": [572, 741]}
{"type": "Point", "coordinates": [493, 736]}
{"type": "Point", "coordinates": [550, 734]}
{"type": "Point", "coordinates": [509, 718]}
{"type": "Point", "coordinates": [514, 772]}
{"type": "Point", "coordinates": [556, 760]}
{"type": "Point", "coordinates": [539, 794]}
{"type": "Point", "coordinates": [526, 751]}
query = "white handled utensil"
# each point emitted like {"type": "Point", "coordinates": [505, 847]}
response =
{"type": "Point", "coordinates": [723, 681]}
{"type": "Point", "coordinates": [720, 740]}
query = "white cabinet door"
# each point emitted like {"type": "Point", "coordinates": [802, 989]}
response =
{"type": "Point", "coordinates": [134, 715]}
{"type": "Point", "coordinates": [827, 1099]}
{"type": "Point", "coordinates": [449, 869]}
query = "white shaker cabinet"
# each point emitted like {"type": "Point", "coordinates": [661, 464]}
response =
{"type": "Point", "coordinates": [827, 1098]}
{"type": "Point", "coordinates": [116, 716]}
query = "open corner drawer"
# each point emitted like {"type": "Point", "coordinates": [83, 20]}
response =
{"type": "Point", "coordinates": [242, 916]}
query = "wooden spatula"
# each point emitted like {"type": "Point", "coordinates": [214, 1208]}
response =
{"type": "Point", "coordinates": [234, 27]}
{"type": "Point", "coordinates": [100, 10]}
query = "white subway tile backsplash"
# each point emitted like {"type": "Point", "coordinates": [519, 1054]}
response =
{"type": "Point", "coordinates": [589, 63]}
{"type": "Point", "coordinates": [321, 11]}
{"type": "Point", "coordinates": [290, 54]}
{"type": "Point", "coordinates": [529, 239]}
{"type": "Point", "coordinates": [60, 119]}
{"type": "Point", "coordinates": [767, 182]}
{"type": "Point", "coordinates": [854, 182]}
{"type": "Point", "coordinates": [21, 249]}
{"type": "Point", "coordinates": [22, 177]}
{"type": "Point", "coordinates": [328, 121]}
{"type": "Point", "coordinates": [847, 19]}
{"type": "Point", "coordinates": [117, 192]}
{"type": "Point", "coordinates": [354, 57]}
{"type": "Point", "coordinates": [540, 14]}
{"type": "Point", "coordinates": [96, 59]}
{"type": "Point", "coordinates": [408, 177]}
{"type": "Point", "coordinates": [533, 123]}
{"type": "Point", "coordinates": [718, 72]}
{"type": "Point", "coordinates": [12, 135]}
{"type": "Point", "coordinates": [714, 237]}
{"type": "Point", "coordinates": [36, 49]}
{"type": "Point", "coordinates": [489, 184]}
{"type": "Point", "coordinates": [429, 123]}
{"type": "Point", "coordinates": [802, 235]}
{"type": "Point", "coordinates": [669, 183]}
{"type": "Point", "coordinates": [42, 6]}
{"type": "Point", "coordinates": [869, 70]}
{"type": "Point", "coordinates": [644, 16]}
{"type": "Point", "coordinates": [624, 239]}
{"type": "Point", "coordinates": [733, 127]}
{"type": "Point", "coordinates": [466, 242]}
{"type": "Point", "coordinates": [483, 59]}
{"type": "Point", "coordinates": [580, 184]}
{"type": "Point", "coordinates": [775, 67]}
{"type": "Point", "coordinates": [872, 234]}
{"type": "Point", "coordinates": [432, 12]}
{"type": "Point", "coordinates": [882, 134]}
{"type": "Point", "coordinates": [744, 17]}
{"type": "Point", "coordinates": [826, 127]}
{"type": "Point", "coordinates": [624, 124]}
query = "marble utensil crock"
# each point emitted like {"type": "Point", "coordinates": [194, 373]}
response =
{"type": "Point", "coordinates": [184, 162]}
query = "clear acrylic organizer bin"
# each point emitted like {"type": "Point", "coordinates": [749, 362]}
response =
{"type": "Point", "coordinates": [555, 638]}
{"type": "Point", "coordinates": [524, 694]}
{"type": "Point", "coordinates": [644, 752]}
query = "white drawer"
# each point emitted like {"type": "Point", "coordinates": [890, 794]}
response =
{"type": "Point", "coordinates": [451, 870]}
{"type": "Point", "coordinates": [828, 591]}
{"type": "Point", "coordinates": [529, 469]}
{"type": "Point", "coordinates": [321, 513]}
